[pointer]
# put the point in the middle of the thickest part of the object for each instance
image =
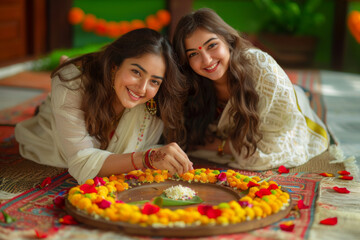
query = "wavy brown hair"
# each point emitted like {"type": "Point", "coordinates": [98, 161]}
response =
{"type": "Point", "coordinates": [200, 108]}
{"type": "Point", "coordinates": [97, 85]}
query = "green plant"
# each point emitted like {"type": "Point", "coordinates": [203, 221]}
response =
{"type": "Point", "coordinates": [297, 17]}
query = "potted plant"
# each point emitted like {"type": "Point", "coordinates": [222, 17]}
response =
{"type": "Point", "coordinates": [287, 31]}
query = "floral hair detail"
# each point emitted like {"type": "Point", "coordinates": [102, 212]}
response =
{"type": "Point", "coordinates": [346, 177]}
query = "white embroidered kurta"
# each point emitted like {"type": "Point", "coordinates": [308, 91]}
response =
{"type": "Point", "coordinates": [292, 132]}
{"type": "Point", "coordinates": [57, 135]}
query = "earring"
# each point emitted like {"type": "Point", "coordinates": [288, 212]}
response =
{"type": "Point", "coordinates": [151, 106]}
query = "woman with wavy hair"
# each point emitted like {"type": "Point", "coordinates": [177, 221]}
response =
{"type": "Point", "coordinates": [108, 110]}
{"type": "Point", "coordinates": [242, 108]}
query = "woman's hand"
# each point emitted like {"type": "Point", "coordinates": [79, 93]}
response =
{"type": "Point", "coordinates": [172, 158]}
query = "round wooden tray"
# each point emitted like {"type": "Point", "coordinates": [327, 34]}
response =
{"type": "Point", "coordinates": [212, 194]}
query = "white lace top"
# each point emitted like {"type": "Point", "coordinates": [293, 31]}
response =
{"type": "Point", "coordinates": [57, 135]}
{"type": "Point", "coordinates": [292, 132]}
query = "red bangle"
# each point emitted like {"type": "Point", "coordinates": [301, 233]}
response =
{"type": "Point", "coordinates": [132, 161]}
{"type": "Point", "coordinates": [151, 160]}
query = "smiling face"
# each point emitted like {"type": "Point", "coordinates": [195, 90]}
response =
{"type": "Point", "coordinates": [138, 80]}
{"type": "Point", "coordinates": [208, 55]}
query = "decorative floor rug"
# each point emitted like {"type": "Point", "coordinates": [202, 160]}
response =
{"type": "Point", "coordinates": [34, 210]}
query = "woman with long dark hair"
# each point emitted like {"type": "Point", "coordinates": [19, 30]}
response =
{"type": "Point", "coordinates": [108, 109]}
{"type": "Point", "coordinates": [242, 108]}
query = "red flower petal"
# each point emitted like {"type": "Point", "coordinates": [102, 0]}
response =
{"type": "Point", "coordinates": [346, 177]}
{"type": "Point", "coordinates": [326, 174]}
{"type": "Point", "coordinates": [46, 182]}
{"type": "Point", "coordinates": [273, 186]}
{"type": "Point", "coordinates": [86, 188]}
{"type": "Point", "coordinates": [59, 201]}
{"type": "Point", "coordinates": [252, 184]}
{"type": "Point", "coordinates": [98, 181]}
{"type": "Point", "coordinates": [68, 220]}
{"type": "Point", "coordinates": [283, 169]}
{"type": "Point", "coordinates": [40, 235]}
{"type": "Point", "coordinates": [344, 172]}
{"type": "Point", "coordinates": [150, 209]}
{"type": "Point", "coordinates": [131, 176]}
{"type": "Point", "coordinates": [213, 213]}
{"type": "Point", "coordinates": [222, 177]}
{"type": "Point", "coordinates": [288, 226]}
{"type": "Point", "coordinates": [301, 205]}
{"type": "Point", "coordinates": [203, 209]}
{"type": "Point", "coordinates": [263, 192]}
{"type": "Point", "coordinates": [329, 221]}
{"type": "Point", "coordinates": [104, 204]}
{"type": "Point", "coordinates": [341, 190]}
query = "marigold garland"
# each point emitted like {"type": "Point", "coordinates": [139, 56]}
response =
{"type": "Point", "coordinates": [97, 197]}
{"type": "Point", "coordinates": [112, 29]}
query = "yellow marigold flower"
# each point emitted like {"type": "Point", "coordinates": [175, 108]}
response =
{"type": "Point", "coordinates": [256, 178]}
{"type": "Point", "coordinates": [159, 178]}
{"type": "Point", "coordinates": [111, 214]}
{"type": "Point", "coordinates": [110, 199]}
{"type": "Point", "coordinates": [187, 217]}
{"type": "Point", "coordinates": [75, 198]}
{"type": "Point", "coordinates": [135, 217]}
{"type": "Point", "coordinates": [283, 198]}
{"type": "Point", "coordinates": [98, 198]}
{"type": "Point", "coordinates": [274, 207]}
{"type": "Point", "coordinates": [89, 182]}
{"type": "Point", "coordinates": [247, 199]}
{"type": "Point", "coordinates": [174, 217]}
{"type": "Point", "coordinates": [258, 211]}
{"type": "Point", "coordinates": [235, 219]}
{"type": "Point", "coordinates": [266, 208]}
{"type": "Point", "coordinates": [203, 178]}
{"type": "Point", "coordinates": [243, 186]}
{"type": "Point", "coordinates": [73, 190]}
{"type": "Point", "coordinates": [212, 178]}
{"type": "Point", "coordinates": [188, 176]}
{"type": "Point", "coordinates": [197, 178]}
{"type": "Point", "coordinates": [142, 178]}
{"type": "Point", "coordinates": [99, 211]}
{"type": "Point", "coordinates": [119, 187]}
{"type": "Point", "coordinates": [124, 215]}
{"type": "Point", "coordinates": [149, 178]}
{"type": "Point", "coordinates": [204, 220]}
{"type": "Point", "coordinates": [227, 212]}
{"type": "Point", "coordinates": [222, 220]}
{"type": "Point", "coordinates": [144, 218]}
{"type": "Point", "coordinates": [111, 188]}
{"type": "Point", "coordinates": [112, 178]}
{"type": "Point", "coordinates": [93, 209]}
{"type": "Point", "coordinates": [164, 220]}
{"type": "Point", "coordinates": [272, 182]}
{"type": "Point", "coordinates": [84, 203]}
{"type": "Point", "coordinates": [233, 184]}
{"type": "Point", "coordinates": [102, 190]}
{"type": "Point", "coordinates": [234, 205]}
{"type": "Point", "coordinates": [249, 213]}
{"type": "Point", "coordinates": [152, 219]}
{"type": "Point", "coordinates": [164, 212]}
{"type": "Point", "coordinates": [286, 195]}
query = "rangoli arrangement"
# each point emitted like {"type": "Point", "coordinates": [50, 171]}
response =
{"type": "Point", "coordinates": [107, 200]}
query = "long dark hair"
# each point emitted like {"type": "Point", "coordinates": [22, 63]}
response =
{"type": "Point", "coordinates": [201, 105]}
{"type": "Point", "coordinates": [97, 86]}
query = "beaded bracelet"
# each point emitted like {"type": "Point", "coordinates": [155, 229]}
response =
{"type": "Point", "coordinates": [132, 161]}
